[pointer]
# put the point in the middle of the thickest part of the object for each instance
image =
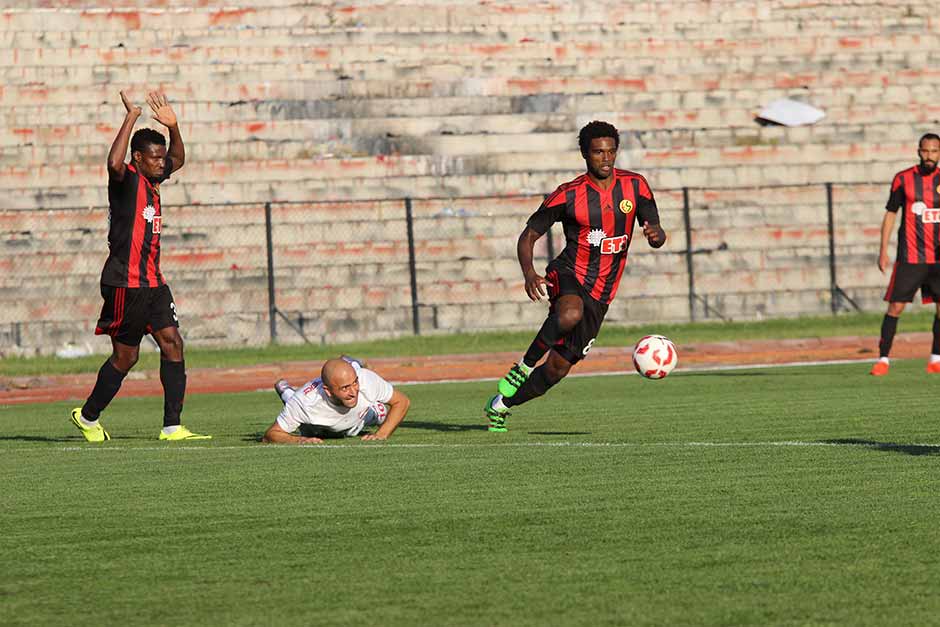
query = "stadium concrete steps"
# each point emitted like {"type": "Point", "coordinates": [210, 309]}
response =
{"type": "Point", "coordinates": [294, 100]}
{"type": "Point", "coordinates": [430, 16]}
{"type": "Point", "coordinates": [91, 194]}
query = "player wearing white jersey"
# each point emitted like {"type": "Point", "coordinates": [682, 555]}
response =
{"type": "Point", "coordinates": [344, 400]}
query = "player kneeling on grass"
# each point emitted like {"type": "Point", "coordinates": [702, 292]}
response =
{"type": "Point", "coordinates": [346, 398]}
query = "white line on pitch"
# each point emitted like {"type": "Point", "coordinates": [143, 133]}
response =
{"type": "Point", "coordinates": [379, 446]}
{"type": "Point", "coordinates": [681, 371]}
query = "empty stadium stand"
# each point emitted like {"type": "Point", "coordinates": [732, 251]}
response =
{"type": "Point", "coordinates": [335, 112]}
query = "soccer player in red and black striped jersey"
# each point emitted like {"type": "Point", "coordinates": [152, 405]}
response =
{"type": "Point", "coordinates": [915, 194]}
{"type": "Point", "coordinates": [137, 300]}
{"type": "Point", "coordinates": [600, 212]}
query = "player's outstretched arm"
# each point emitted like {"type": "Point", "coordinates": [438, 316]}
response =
{"type": "Point", "coordinates": [118, 152]}
{"type": "Point", "coordinates": [525, 250]}
{"type": "Point", "coordinates": [655, 235]}
{"type": "Point", "coordinates": [164, 114]}
{"type": "Point", "coordinates": [276, 435]}
{"type": "Point", "coordinates": [397, 408]}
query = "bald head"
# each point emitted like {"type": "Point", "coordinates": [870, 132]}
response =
{"type": "Point", "coordinates": [341, 382]}
{"type": "Point", "coordinates": [336, 371]}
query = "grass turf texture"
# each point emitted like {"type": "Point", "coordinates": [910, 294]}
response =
{"type": "Point", "coordinates": [613, 500]}
{"type": "Point", "coordinates": [864, 324]}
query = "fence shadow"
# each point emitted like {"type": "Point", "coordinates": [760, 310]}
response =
{"type": "Point", "coordinates": [891, 447]}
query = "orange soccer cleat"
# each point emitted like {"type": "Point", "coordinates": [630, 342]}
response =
{"type": "Point", "coordinates": [933, 367]}
{"type": "Point", "coordinates": [880, 369]}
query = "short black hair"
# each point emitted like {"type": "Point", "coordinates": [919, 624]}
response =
{"type": "Point", "coordinates": [145, 136]}
{"type": "Point", "coordinates": [927, 136]}
{"type": "Point", "coordinates": [593, 130]}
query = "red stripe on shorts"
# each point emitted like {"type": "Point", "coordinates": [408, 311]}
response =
{"type": "Point", "coordinates": [118, 310]}
{"type": "Point", "coordinates": [890, 289]}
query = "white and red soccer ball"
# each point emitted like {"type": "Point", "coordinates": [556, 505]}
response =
{"type": "Point", "coordinates": [654, 356]}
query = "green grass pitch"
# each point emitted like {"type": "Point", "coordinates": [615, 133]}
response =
{"type": "Point", "coordinates": [785, 496]}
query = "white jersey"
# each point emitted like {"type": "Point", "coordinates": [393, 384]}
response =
{"type": "Point", "coordinates": [311, 406]}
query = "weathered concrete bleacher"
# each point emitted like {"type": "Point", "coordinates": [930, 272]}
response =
{"type": "Point", "coordinates": [300, 103]}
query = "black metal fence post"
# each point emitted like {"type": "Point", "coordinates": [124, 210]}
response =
{"type": "Point", "coordinates": [689, 266]}
{"type": "Point", "coordinates": [272, 307]}
{"type": "Point", "coordinates": [833, 285]}
{"type": "Point", "coordinates": [409, 220]}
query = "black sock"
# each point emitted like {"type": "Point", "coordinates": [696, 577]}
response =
{"type": "Point", "coordinates": [935, 347]}
{"type": "Point", "coordinates": [544, 340]}
{"type": "Point", "coordinates": [537, 384]}
{"type": "Point", "coordinates": [889, 327]}
{"type": "Point", "coordinates": [108, 383]}
{"type": "Point", "coordinates": [173, 378]}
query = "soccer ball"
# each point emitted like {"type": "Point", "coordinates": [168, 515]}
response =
{"type": "Point", "coordinates": [654, 356]}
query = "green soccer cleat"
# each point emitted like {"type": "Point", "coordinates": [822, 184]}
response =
{"type": "Point", "coordinates": [514, 379]}
{"type": "Point", "coordinates": [92, 434]}
{"type": "Point", "coordinates": [496, 417]}
{"type": "Point", "coordinates": [183, 434]}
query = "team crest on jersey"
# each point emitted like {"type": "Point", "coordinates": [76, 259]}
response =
{"type": "Point", "coordinates": [626, 206]}
{"type": "Point", "coordinates": [608, 245]}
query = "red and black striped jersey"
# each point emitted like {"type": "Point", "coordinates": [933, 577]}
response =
{"type": "Point", "coordinates": [134, 223]}
{"type": "Point", "coordinates": [917, 197]}
{"type": "Point", "coordinates": [598, 227]}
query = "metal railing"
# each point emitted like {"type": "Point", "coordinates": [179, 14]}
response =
{"type": "Point", "coordinates": [330, 268]}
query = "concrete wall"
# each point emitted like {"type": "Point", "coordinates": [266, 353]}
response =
{"type": "Point", "coordinates": [305, 102]}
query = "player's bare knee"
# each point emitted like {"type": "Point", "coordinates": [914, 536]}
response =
{"type": "Point", "coordinates": [172, 350]}
{"type": "Point", "coordinates": [556, 370]}
{"type": "Point", "coordinates": [569, 318]}
{"type": "Point", "coordinates": [896, 309]}
{"type": "Point", "coordinates": [124, 360]}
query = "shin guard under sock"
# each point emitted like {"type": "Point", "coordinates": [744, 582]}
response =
{"type": "Point", "coordinates": [106, 386]}
{"type": "Point", "coordinates": [889, 327]}
{"type": "Point", "coordinates": [173, 378]}
{"type": "Point", "coordinates": [536, 385]}
{"type": "Point", "coordinates": [544, 340]}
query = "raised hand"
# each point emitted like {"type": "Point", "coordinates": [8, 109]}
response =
{"type": "Point", "coordinates": [131, 108]}
{"type": "Point", "coordinates": [162, 111]}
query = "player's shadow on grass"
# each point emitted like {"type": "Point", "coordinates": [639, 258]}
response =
{"type": "Point", "coordinates": [441, 426]}
{"type": "Point", "coordinates": [41, 438]}
{"type": "Point", "coordinates": [66, 439]}
{"type": "Point", "coordinates": [891, 447]}
{"type": "Point", "coordinates": [739, 373]}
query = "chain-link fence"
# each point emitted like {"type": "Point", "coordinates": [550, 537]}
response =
{"type": "Point", "coordinates": [323, 272]}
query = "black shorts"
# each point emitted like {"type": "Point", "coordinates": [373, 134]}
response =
{"type": "Point", "coordinates": [575, 346]}
{"type": "Point", "coordinates": [130, 313]}
{"type": "Point", "coordinates": [907, 278]}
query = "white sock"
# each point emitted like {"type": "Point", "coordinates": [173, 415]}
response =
{"type": "Point", "coordinates": [170, 430]}
{"type": "Point", "coordinates": [884, 359]}
{"type": "Point", "coordinates": [498, 403]}
{"type": "Point", "coordinates": [288, 394]}
{"type": "Point", "coordinates": [526, 368]}
{"type": "Point", "coordinates": [86, 422]}
{"type": "Point", "coordinates": [934, 358]}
